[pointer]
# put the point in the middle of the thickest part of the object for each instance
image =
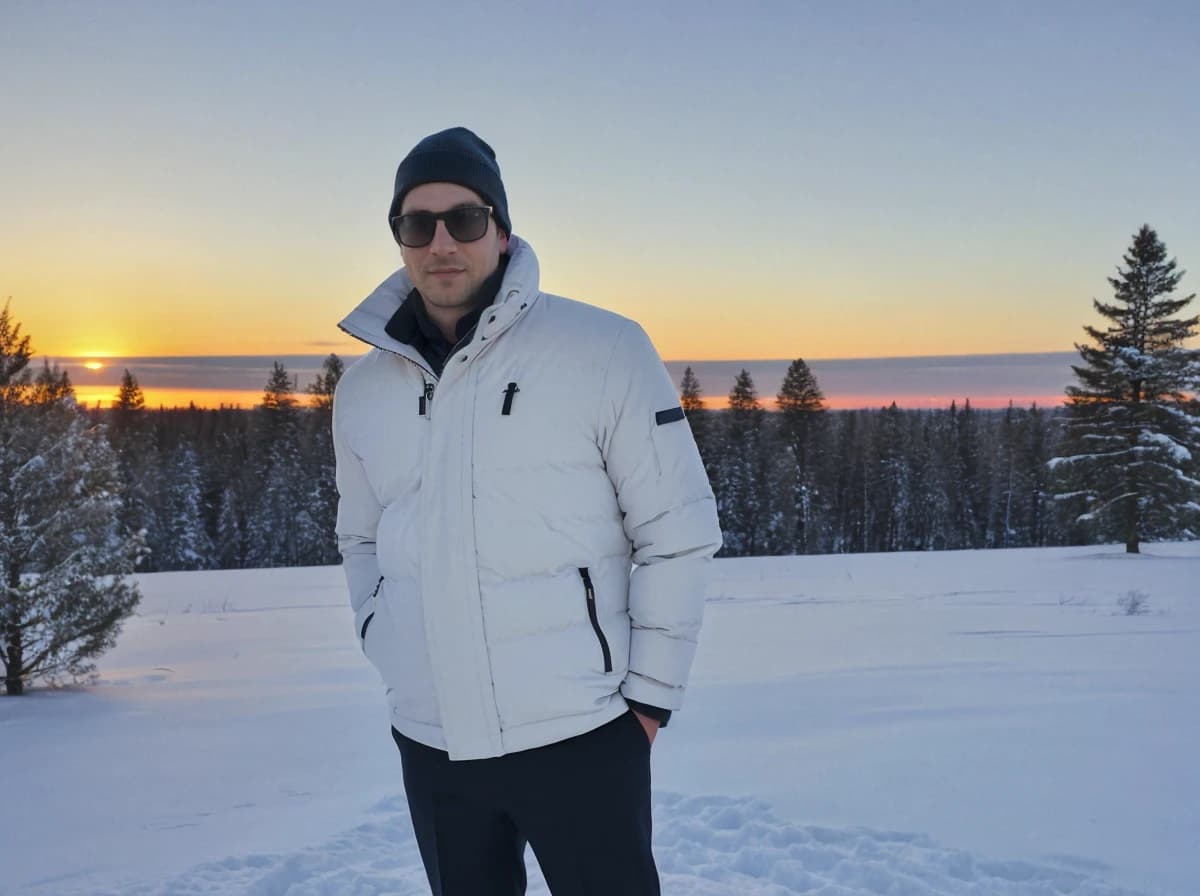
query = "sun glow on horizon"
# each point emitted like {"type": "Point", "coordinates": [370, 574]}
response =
{"type": "Point", "coordinates": [94, 365]}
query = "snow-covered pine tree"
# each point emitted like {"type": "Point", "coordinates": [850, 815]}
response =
{"type": "Point", "coordinates": [851, 437]}
{"type": "Point", "coordinates": [1042, 437]}
{"type": "Point", "coordinates": [64, 559]}
{"type": "Point", "coordinates": [236, 485]}
{"type": "Point", "coordinates": [743, 483]}
{"type": "Point", "coordinates": [279, 512]}
{"type": "Point", "coordinates": [318, 546]}
{"type": "Point", "coordinates": [801, 413]}
{"type": "Point", "coordinates": [889, 490]}
{"type": "Point", "coordinates": [1129, 465]}
{"type": "Point", "coordinates": [1018, 503]}
{"type": "Point", "coordinates": [180, 538]}
{"type": "Point", "coordinates": [230, 546]}
{"type": "Point", "coordinates": [131, 435]}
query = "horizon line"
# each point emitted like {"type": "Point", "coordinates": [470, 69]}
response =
{"type": "Point", "coordinates": [1073, 350]}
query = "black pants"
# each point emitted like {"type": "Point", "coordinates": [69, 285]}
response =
{"type": "Point", "coordinates": [583, 804]}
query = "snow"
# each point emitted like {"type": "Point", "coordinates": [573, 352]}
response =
{"type": "Point", "coordinates": [1178, 453]}
{"type": "Point", "coordinates": [976, 722]}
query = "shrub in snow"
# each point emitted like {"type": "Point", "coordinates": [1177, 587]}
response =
{"type": "Point", "coordinates": [1134, 603]}
{"type": "Point", "coordinates": [64, 562]}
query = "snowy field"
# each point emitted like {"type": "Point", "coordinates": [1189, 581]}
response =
{"type": "Point", "coordinates": [956, 723]}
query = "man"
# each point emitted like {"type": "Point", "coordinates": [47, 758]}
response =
{"type": "Point", "coordinates": [504, 456]}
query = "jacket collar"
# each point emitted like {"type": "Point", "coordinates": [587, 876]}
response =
{"type": "Point", "coordinates": [518, 290]}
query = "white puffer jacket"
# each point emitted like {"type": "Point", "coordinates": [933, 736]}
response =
{"type": "Point", "coordinates": [488, 554]}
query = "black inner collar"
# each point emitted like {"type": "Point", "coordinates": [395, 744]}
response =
{"type": "Point", "coordinates": [412, 325]}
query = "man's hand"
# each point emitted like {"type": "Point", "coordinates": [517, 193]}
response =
{"type": "Point", "coordinates": [649, 724]}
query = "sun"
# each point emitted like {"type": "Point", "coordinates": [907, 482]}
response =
{"type": "Point", "coordinates": [94, 365]}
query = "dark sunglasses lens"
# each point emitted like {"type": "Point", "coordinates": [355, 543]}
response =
{"type": "Point", "coordinates": [415, 230]}
{"type": "Point", "coordinates": [467, 224]}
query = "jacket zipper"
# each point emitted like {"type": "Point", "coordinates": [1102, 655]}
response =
{"type": "Point", "coordinates": [588, 590]}
{"type": "Point", "coordinates": [425, 400]}
{"type": "Point", "coordinates": [362, 635]}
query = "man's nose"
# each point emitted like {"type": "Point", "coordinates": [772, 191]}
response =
{"type": "Point", "coordinates": [442, 242]}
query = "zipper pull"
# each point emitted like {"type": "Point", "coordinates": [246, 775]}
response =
{"type": "Point", "coordinates": [424, 399]}
{"type": "Point", "coordinates": [508, 399]}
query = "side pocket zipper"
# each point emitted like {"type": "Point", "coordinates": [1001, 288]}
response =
{"type": "Point", "coordinates": [362, 635]}
{"type": "Point", "coordinates": [590, 592]}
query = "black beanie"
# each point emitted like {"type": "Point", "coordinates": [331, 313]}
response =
{"type": "Point", "coordinates": [455, 156]}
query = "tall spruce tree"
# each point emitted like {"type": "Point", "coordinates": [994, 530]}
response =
{"type": "Point", "coordinates": [743, 480]}
{"type": "Point", "coordinates": [1130, 468]}
{"type": "Point", "coordinates": [181, 541]}
{"type": "Point", "coordinates": [230, 547]}
{"type": "Point", "coordinates": [64, 561]}
{"type": "Point", "coordinates": [318, 546]}
{"type": "Point", "coordinates": [889, 490]}
{"type": "Point", "coordinates": [279, 517]}
{"type": "Point", "coordinates": [131, 435]}
{"type": "Point", "coordinates": [801, 407]}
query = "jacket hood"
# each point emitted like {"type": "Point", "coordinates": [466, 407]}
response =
{"type": "Point", "coordinates": [367, 322]}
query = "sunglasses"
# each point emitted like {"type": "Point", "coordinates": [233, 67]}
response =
{"type": "Point", "coordinates": [466, 224]}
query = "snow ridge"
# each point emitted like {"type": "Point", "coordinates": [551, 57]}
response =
{"type": "Point", "coordinates": [706, 846]}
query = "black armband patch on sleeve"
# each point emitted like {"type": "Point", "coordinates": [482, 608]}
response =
{"type": "Point", "coordinates": [670, 415]}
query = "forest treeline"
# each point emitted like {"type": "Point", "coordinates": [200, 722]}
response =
{"type": "Point", "coordinates": [232, 488]}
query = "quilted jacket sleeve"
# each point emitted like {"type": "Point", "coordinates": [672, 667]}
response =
{"type": "Point", "coordinates": [357, 520]}
{"type": "Point", "coordinates": [670, 517]}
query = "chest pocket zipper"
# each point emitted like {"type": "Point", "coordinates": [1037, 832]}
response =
{"type": "Point", "coordinates": [590, 593]}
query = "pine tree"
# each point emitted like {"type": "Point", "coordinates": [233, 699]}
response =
{"type": "Point", "coordinates": [278, 514]}
{"type": "Point", "coordinates": [323, 387]}
{"type": "Point", "coordinates": [317, 544]}
{"type": "Point", "coordinates": [889, 491]}
{"type": "Point", "coordinates": [235, 484]}
{"type": "Point", "coordinates": [130, 434]}
{"type": "Point", "coordinates": [801, 406]}
{"type": "Point", "coordinates": [64, 591]}
{"type": "Point", "coordinates": [1129, 468]}
{"type": "Point", "coordinates": [701, 421]}
{"type": "Point", "coordinates": [181, 540]}
{"type": "Point", "coordinates": [926, 516]}
{"type": "Point", "coordinates": [743, 483]}
{"type": "Point", "coordinates": [689, 392]}
{"type": "Point", "coordinates": [230, 542]}
{"type": "Point", "coordinates": [1038, 445]}
{"type": "Point", "coordinates": [800, 392]}
{"type": "Point", "coordinates": [854, 447]}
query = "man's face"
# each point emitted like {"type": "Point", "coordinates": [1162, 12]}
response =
{"type": "Point", "coordinates": [446, 272]}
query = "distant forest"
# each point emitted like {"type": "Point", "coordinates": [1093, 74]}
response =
{"type": "Point", "coordinates": [232, 488]}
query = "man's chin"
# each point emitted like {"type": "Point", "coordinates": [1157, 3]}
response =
{"type": "Point", "coordinates": [443, 299]}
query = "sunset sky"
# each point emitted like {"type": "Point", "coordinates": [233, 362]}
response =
{"type": "Point", "coordinates": [754, 180]}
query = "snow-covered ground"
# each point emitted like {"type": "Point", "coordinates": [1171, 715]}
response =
{"type": "Point", "coordinates": [903, 724]}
